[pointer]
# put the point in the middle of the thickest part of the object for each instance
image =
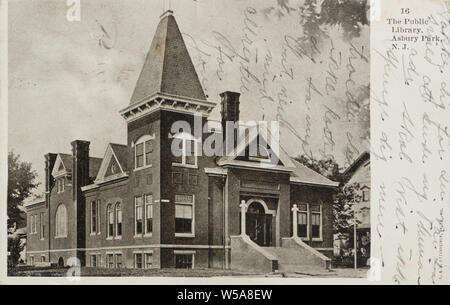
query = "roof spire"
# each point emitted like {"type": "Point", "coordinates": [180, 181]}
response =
{"type": "Point", "coordinates": [167, 7]}
{"type": "Point", "coordinates": [168, 68]}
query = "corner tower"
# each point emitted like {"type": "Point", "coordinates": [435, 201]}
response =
{"type": "Point", "coordinates": [167, 90]}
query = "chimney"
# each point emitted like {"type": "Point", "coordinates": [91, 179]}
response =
{"type": "Point", "coordinates": [230, 110]}
{"type": "Point", "coordinates": [80, 166]}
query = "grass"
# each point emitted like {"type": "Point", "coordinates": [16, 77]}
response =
{"type": "Point", "coordinates": [105, 272]}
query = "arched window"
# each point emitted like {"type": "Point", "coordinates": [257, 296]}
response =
{"type": "Point", "coordinates": [110, 220]}
{"type": "Point", "coordinates": [184, 150]}
{"type": "Point", "coordinates": [61, 221]}
{"type": "Point", "coordinates": [118, 219]}
{"type": "Point", "coordinates": [143, 149]}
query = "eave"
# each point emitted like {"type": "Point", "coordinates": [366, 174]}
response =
{"type": "Point", "coordinates": [168, 102]}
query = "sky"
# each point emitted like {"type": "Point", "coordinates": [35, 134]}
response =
{"type": "Point", "coordinates": [69, 80]}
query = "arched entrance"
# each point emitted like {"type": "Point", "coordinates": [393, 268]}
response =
{"type": "Point", "coordinates": [60, 262]}
{"type": "Point", "coordinates": [258, 224]}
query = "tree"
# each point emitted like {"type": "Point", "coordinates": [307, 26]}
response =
{"type": "Point", "coordinates": [315, 15]}
{"type": "Point", "coordinates": [327, 167]}
{"type": "Point", "coordinates": [15, 246]}
{"type": "Point", "coordinates": [21, 182]}
{"type": "Point", "coordinates": [344, 209]}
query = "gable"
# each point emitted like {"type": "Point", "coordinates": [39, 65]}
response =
{"type": "Point", "coordinates": [60, 168]}
{"type": "Point", "coordinates": [257, 139]}
{"type": "Point", "coordinates": [113, 167]}
{"type": "Point", "coordinates": [110, 168]}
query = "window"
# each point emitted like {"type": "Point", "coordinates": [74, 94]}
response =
{"type": "Point", "coordinates": [193, 179]}
{"type": "Point", "coordinates": [94, 216]}
{"type": "Point", "coordinates": [302, 221]}
{"type": "Point", "coordinates": [366, 195]}
{"type": "Point", "coordinates": [148, 260]}
{"type": "Point", "coordinates": [118, 219]}
{"type": "Point", "coordinates": [148, 214]}
{"type": "Point", "coordinates": [138, 260]}
{"type": "Point", "coordinates": [31, 223]}
{"type": "Point", "coordinates": [184, 260]}
{"type": "Point", "coordinates": [42, 258]}
{"type": "Point", "coordinates": [61, 221]}
{"type": "Point", "coordinates": [119, 260]}
{"type": "Point", "coordinates": [42, 225]}
{"type": "Point", "coordinates": [139, 155]}
{"type": "Point", "coordinates": [143, 151]}
{"type": "Point", "coordinates": [60, 185]}
{"type": "Point", "coordinates": [94, 260]}
{"type": "Point", "coordinates": [184, 150]}
{"type": "Point", "coordinates": [35, 224]}
{"type": "Point", "coordinates": [138, 215]}
{"type": "Point", "coordinates": [316, 221]}
{"type": "Point", "coordinates": [110, 220]}
{"type": "Point", "coordinates": [32, 260]}
{"type": "Point", "coordinates": [110, 261]}
{"type": "Point", "coordinates": [184, 215]}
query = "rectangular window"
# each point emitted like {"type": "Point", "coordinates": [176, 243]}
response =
{"type": "Point", "coordinates": [138, 260]}
{"type": "Point", "coordinates": [43, 259]}
{"type": "Point", "coordinates": [110, 212]}
{"type": "Point", "coordinates": [184, 151]}
{"type": "Point", "coordinates": [119, 260]}
{"type": "Point", "coordinates": [42, 225]}
{"type": "Point", "coordinates": [31, 223]}
{"type": "Point", "coordinates": [184, 260]}
{"type": "Point", "coordinates": [366, 195]}
{"type": "Point", "coordinates": [148, 152]}
{"type": "Point", "coordinates": [60, 184]}
{"type": "Point", "coordinates": [190, 152]}
{"type": "Point", "coordinates": [118, 220]}
{"type": "Point", "coordinates": [316, 221]}
{"type": "Point", "coordinates": [32, 260]}
{"type": "Point", "coordinates": [184, 214]}
{"type": "Point", "coordinates": [302, 221]}
{"type": "Point", "coordinates": [110, 260]}
{"type": "Point", "coordinates": [94, 260]}
{"type": "Point", "coordinates": [148, 260]}
{"type": "Point", "coordinates": [140, 155]}
{"type": "Point", "coordinates": [148, 214]}
{"type": "Point", "coordinates": [94, 216]}
{"type": "Point", "coordinates": [138, 215]}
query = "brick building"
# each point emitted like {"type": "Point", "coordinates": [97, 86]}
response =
{"type": "Point", "coordinates": [141, 206]}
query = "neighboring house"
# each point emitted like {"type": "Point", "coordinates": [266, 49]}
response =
{"type": "Point", "coordinates": [140, 206]}
{"type": "Point", "coordinates": [359, 173]}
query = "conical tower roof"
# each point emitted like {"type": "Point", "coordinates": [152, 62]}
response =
{"type": "Point", "coordinates": [168, 68]}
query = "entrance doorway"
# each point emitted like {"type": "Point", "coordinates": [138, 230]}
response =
{"type": "Point", "coordinates": [259, 225]}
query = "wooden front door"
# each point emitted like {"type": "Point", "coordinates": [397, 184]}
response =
{"type": "Point", "coordinates": [259, 225]}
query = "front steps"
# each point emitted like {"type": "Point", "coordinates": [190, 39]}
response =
{"type": "Point", "coordinates": [293, 256]}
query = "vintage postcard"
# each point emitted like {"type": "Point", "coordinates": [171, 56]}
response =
{"type": "Point", "coordinates": [226, 142]}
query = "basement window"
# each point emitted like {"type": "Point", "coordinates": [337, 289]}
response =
{"type": "Point", "coordinates": [184, 259]}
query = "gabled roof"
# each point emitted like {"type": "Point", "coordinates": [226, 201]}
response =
{"type": "Point", "coordinates": [304, 175]}
{"type": "Point", "coordinates": [168, 68]}
{"type": "Point", "coordinates": [249, 138]}
{"type": "Point", "coordinates": [118, 154]}
{"type": "Point", "coordinates": [121, 153]}
{"type": "Point", "coordinates": [66, 161]}
{"type": "Point", "coordinates": [348, 173]}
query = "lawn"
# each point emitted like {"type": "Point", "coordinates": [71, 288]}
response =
{"type": "Point", "coordinates": [104, 272]}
